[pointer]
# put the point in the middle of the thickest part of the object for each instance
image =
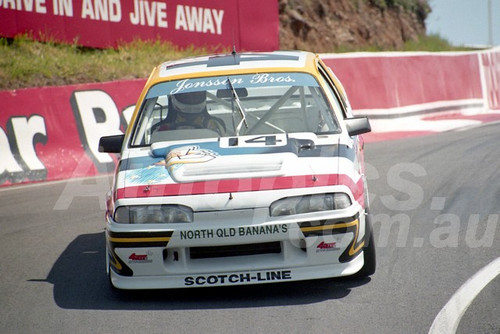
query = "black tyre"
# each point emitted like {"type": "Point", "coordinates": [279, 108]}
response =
{"type": "Point", "coordinates": [369, 255]}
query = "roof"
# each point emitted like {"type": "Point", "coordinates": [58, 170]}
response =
{"type": "Point", "coordinates": [235, 62]}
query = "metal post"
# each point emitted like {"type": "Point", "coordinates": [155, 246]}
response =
{"type": "Point", "coordinates": [490, 22]}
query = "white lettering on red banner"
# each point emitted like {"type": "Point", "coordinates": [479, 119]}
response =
{"type": "Point", "coordinates": [103, 10]}
{"type": "Point", "coordinates": [38, 6]}
{"type": "Point", "coordinates": [197, 19]}
{"type": "Point", "coordinates": [18, 156]}
{"type": "Point", "coordinates": [150, 13]}
{"type": "Point", "coordinates": [97, 116]}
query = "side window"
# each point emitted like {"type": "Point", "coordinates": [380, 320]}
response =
{"type": "Point", "coordinates": [342, 104]}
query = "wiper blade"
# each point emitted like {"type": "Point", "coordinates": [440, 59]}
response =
{"type": "Point", "coordinates": [240, 108]}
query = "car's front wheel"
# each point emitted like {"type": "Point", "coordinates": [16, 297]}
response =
{"type": "Point", "coordinates": [369, 257]}
{"type": "Point", "coordinates": [108, 269]}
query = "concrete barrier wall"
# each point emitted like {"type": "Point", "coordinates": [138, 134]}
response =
{"type": "Point", "coordinates": [52, 133]}
{"type": "Point", "coordinates": [395, 84]}
{"type": "Point", "coordinates": [409, 94]}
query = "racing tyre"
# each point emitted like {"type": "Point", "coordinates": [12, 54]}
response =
{"type": "Point", "coordinates": [369, 256]}
{"type": "Point", "coordinates": [110, 283]}
{"type": "Point", "coordinates": [108, 270]}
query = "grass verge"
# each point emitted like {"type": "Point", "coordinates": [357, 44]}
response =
{"type": "Point", "coordinates": [26, 63]}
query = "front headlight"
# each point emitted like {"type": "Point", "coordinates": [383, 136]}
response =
{"type": "Point", "coordinates": [153, 214]}
{"type": "Point", "coordinates": [309, 203]}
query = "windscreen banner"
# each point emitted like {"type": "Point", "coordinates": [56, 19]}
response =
{"type": "Point", "coordinates": [247, 25]}
{"type": "Point", "coordinates": [52, 133]}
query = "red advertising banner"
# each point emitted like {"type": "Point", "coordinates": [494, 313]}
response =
{"type": "Point", "coordinates": [249, 25]}
{"type": "Point", "coordinates": [53, 133]}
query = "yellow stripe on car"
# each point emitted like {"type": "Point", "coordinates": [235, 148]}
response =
{"type": "Point", "coordinates": [152, 239]}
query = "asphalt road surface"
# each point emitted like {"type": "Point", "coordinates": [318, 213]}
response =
{"type": "Point", "coordinates": [435, 205]}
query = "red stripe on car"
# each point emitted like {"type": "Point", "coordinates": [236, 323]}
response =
{"type": "Point", "coordinates": [243, 185]}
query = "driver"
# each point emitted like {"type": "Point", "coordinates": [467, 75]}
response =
{"type": "Point", "coordinates": [189, 111]}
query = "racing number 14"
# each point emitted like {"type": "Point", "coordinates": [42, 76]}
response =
{"type": "Point", "coordinates": [258, 141]}
{"type": "Point", "coordinates": [268, 140]}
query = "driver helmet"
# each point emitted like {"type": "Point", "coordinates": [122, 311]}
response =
{"type": "Point", "coordinates": [190, 103]}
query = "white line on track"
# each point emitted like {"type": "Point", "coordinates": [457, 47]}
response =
{"type": "Point", "coordinates": [448, 318]}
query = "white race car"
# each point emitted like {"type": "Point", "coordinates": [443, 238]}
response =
{"type": "Point", "coordinates": [239, 169]}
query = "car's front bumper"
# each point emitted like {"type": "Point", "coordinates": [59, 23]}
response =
{"type": "Point", "coordinates": [230, 252]}
{"type": "Point", "coordinates": [246, 277]}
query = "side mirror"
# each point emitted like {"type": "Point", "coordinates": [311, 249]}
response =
{"type": "Point", "coordinates": [357, 125]}
{"type": "Point", "coordinates": [111, 144]}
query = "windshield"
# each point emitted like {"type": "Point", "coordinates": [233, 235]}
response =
{"type": "Point", "coordinates": [266, 103]}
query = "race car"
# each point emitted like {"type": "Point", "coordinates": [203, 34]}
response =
{"type": "Point", "coordinates": [239, 168]}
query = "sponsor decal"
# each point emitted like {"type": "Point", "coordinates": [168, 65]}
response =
{"type": "Point", "coordinates": [267, 78]}
{"type": "Point", "coordinates": [264, 78]}
{"type": "Point", "coordinates": [326, 246]}
{"type": "Point", "coordinates": [222, 82]}
{"type": "Point", "coordinates": [188, 155]}
{"type": "Point", "coordinates": [152, 174]}
{"type": "Point", "coordinates": [140, 258]}
{"type": "Point", "coordinates": [242, 278]}
{"type": "Point", "coordinates": [230, 232]}
{"type": "Point", "coordinates": [190, 84]}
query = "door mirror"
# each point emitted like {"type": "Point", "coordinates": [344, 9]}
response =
{"type": "Point", "coordinates": [357, 125]}
{"type": "Point", "coordinates": [111, 144]}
